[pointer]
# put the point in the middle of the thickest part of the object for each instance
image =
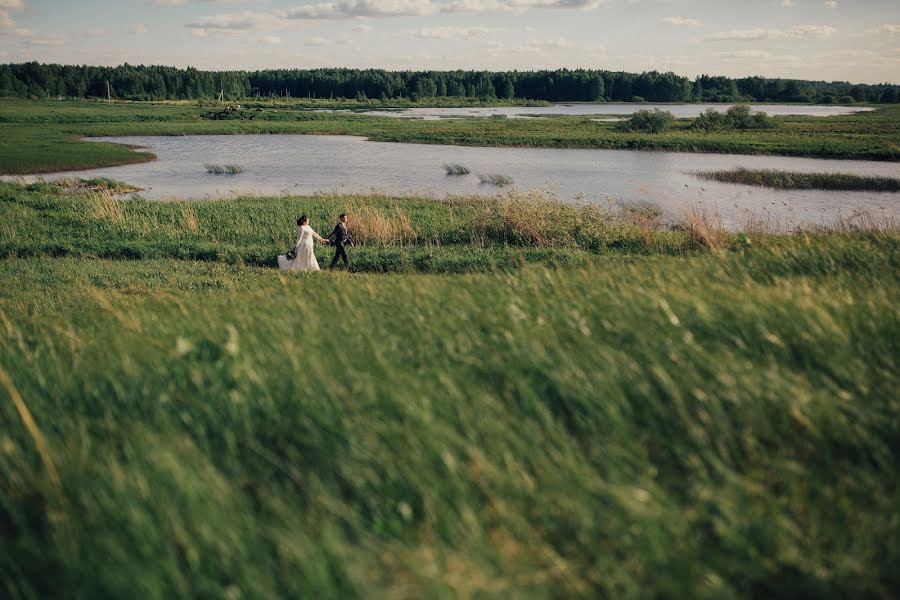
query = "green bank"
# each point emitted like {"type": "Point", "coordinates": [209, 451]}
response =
{"type": "Point", "coordinates": [42, 136]}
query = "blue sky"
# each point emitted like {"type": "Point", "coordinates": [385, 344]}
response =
{"type": "Point", "coordinates": [811, 39]}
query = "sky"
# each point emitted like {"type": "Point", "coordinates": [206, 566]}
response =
{"type": "Point", "coordinates": [857, 41]}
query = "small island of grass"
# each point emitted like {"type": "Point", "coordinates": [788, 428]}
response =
{"type": "Point", "coordinates": [789, 180]}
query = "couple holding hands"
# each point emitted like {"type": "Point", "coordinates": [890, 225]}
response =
{"type": "Point", "coordinates": [303, 258]}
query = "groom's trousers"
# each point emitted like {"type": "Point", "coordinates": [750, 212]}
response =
{"type": "Point", "coordinates": [339, 252]}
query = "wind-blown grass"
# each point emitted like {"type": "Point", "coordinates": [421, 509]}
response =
{"type": "Point", "coordinates": [789, 180]}
{"type": "Point", "coordinates": [721, 425]}
{"type": "Point", "coordinates": [655, 419]}
{"type": "Point", "coordinates": [392, 234]}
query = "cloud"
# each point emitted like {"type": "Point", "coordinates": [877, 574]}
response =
{"type": "Point", "coordinates": [795, 32]}
{"type": "Point", "coordinates": [745, 54]}
{"type": "Point", "coordinates": [831, 3]}
{"type": "Point", "coordinates": [272, 40]}
{"type": "Point", "coordinates": [139, 29]}
{"type": "Point", "coordinates": [7, 23]}
{"type": "Point", "coordinates": [364, 28]}
{"type": "Point", "coordinates": [230, 23]}
{"type": "Point", "coordinates": [167, 2]}
{"type": "Point", "coordinates": [348, 9]}
{"type": "Point", "coordinates": [447, 33]}
{"type": "Point", "coordinates": [892, 29]}
{"type": "Point", "coordinates": [50, 40]}
{"type": "Point", "coordinates": [534, 46]}
{"type": "Point", "coordinates": [788, 3]}
{"type": "Point", "coordinates": [681, 21]}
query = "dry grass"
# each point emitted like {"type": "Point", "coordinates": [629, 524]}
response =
{"type": "Point", "coordinates": [104, 206]}
{"type": "Point", "coordinates": [189, 218]}
{"type": "Point", "coordinates": [705, 228]}
{"type": "Point", "coordinates": [371, 225]}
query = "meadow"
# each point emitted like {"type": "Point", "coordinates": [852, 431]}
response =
{"type": "Point", "coordinates": [43, 136]}
{"type": "Point", "coordinates": [549, 401]}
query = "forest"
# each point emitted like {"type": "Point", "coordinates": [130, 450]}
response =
{"type": "Point", "coordinates": [130, 82]}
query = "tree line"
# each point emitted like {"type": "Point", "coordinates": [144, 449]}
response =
{"type": "Point", "coordinates": [130, 82]}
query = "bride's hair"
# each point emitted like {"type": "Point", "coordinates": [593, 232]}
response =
{"type": "Point", "coordinates": [303, 219]}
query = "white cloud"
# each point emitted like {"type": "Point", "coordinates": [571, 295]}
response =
{"type": "Point", "coordinates": [745, 54]}
{"type": "Point", "coordinates": [231, 23]}
{"type": "Point", "coordinates": [831, 3]}
{"type": "Point", "coordinates": [681, 21]}
{"type": "Point", "coordinates": [50, 40]}
{"type": "Point", "coordinates": [540, 46]}
{"type": "Point", "coordinates": [788, 3]}
{"type": "Point", "coordinates": [795, 32]}
{"type": "Point", "coordinates": [364, 28]}
{"type": "Point", "coordinates": [167, 2]}
{"type": "Point", "coordinates": [272, 40]}
{"type": "Point", "coordinates": [348, 9]}
{"type": "Point", "coordinates": [139, 29]}
{"type": "Point", "coordinates": [7, 23]}
{"type": "Point", "coordinates": [892, 29]}
{"type": "Point", "coordinates": [447, 33]}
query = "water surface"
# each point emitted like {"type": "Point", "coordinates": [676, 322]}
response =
{"type": "Point", "coordinates": [305, 164]}
{"type": "Point", "coordinates": [681, 111]}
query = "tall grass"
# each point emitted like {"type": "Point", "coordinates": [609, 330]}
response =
{"type": "Point", "coordinates": [717, 426]}
{"type": "Point", "coordinates": [790, 180]}
{"type": "Point", "coordinates": [404, 234]}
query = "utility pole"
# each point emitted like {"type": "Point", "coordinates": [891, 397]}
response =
{"type": "Point", "coordinates": [108, 96]}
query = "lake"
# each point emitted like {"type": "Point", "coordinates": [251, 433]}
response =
{"type": "Point", "coordinates": [305, 164]}
{"type": "Point", "coordinates": [681, 111]}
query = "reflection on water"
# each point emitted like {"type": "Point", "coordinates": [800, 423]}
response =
{"type": "Point", "coordinates": [587, 109]}
{"type": "Point", "coordinates": [304, 164]}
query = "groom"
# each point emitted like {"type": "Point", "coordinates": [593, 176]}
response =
{"type": "Point", "coordinates": [339, 237]}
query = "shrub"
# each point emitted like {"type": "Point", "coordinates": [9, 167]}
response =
{"type": "Point", "coordinates": [736, 117]}
{"type": "Point", "coordinates": [648, 121]}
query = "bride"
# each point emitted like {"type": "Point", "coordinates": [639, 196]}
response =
{"type": "Point", "coordinates": [304, 257]}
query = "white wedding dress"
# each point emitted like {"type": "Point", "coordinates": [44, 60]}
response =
{"type": "Point", "coordinates": [305, 259]}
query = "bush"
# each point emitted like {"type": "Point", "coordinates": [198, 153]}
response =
{"type": "Point", "coordinates": [736, 117]}
{"type": "Point", "coordinates": [648, 121]}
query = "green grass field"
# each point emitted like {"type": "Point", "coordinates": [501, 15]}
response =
{"type": "Point", "coordinates": [42, 136]}
{"type": "Point", "coordinates": [549, 401]}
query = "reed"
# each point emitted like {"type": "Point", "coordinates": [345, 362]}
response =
{"type": "Point", "coordinates": [224, 169]}
{"type": "Point", "coordinates": [456, 169]}
{"type": "Point", "coordinates": [790, 180]}
{"type": "Point", "coordinates": [495, 179]}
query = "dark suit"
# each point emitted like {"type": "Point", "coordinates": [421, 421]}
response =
{"type": "Point", "coordinates": [340, 237]}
